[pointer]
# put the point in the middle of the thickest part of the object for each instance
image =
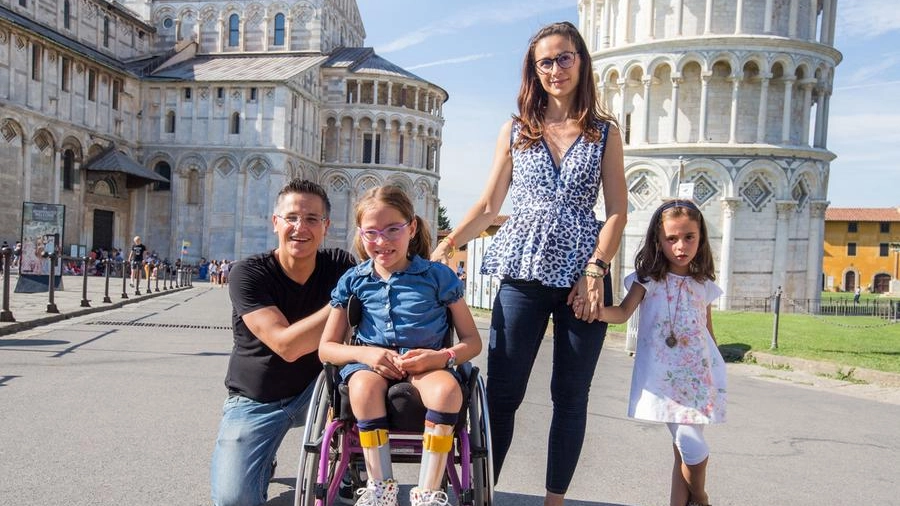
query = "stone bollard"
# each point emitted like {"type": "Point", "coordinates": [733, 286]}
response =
{"type": "Point", "coordinates": [124, 280]}
{"type": "Point", "coordinates": [84, 274]}
{"type": "Point", "coordinates": [51, 305]}
{"type": "Point", "coordinates": [6, 315]}
{"type": "Point", "coordinates": [106, 299]}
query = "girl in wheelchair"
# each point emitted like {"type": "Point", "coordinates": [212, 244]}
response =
{"type": "Point", "coordinates": [400, 337]}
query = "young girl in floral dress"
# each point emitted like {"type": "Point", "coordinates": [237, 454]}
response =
{"type": "Point", "coordinates": [679, 374]}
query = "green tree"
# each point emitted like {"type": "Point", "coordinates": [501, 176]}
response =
{"type": "Point", "coordinates": [443, 220]}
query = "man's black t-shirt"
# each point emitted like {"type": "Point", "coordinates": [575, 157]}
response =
{"type": "Point", "coordinates": [137, 252]}
{"type": "Point", "coordinates": [255, 371]}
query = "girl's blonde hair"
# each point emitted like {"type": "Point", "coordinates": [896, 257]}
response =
{"type": "Point", "coordinates": [651, 263]}
{"type": "Point", "coordinates": [395, 197]}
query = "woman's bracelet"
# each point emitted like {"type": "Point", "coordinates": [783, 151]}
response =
{"type": "Point", "coordinates": [452, 244]}
{"type": "Point", "coordinates": [593, 274]}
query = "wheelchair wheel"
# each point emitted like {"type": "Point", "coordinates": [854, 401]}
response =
{"type": "Point", "coordinates": [480, 440]}
{"type": "Point", "coordinates": [317, 416]}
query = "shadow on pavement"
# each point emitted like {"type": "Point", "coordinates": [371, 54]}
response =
{"type": "Point", "coordinates": [31, 342]}
{"type": "Point", "coordinates": [500, 498]}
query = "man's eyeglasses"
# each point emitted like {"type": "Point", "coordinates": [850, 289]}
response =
{"type": "Point", "coordinates": [310, 220]}
{"type": "Point", "coordinates": [390, 233]}
{"type": "Point", "coordinates": [565, 60]}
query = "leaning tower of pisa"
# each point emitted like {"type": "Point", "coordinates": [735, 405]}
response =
{"type": "Point", "coordinates": [729, 97]}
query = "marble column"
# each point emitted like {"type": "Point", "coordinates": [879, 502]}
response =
{"type": "Point", "coordinates": [784, 210]}
{"type": "Point", "coordinates": [814, 250]}
{"type": "Point", "coordinates": [730, 207]}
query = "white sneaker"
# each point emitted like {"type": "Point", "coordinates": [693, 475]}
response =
{"type": "Point", "coordinates": [378, 493]}
{"type": "Point", "coordinates": [419, 497]}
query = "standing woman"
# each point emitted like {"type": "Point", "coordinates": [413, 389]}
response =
{"type": "Point", "coordinates": [552, 254]}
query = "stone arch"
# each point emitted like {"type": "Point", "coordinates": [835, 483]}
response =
{"type": "Point", "coordinates": [11, 129]}
{"type": "Point", "coordinates": [192, 160]}
{"type": "Point", "coordinates": [647, 182]}
{"type": "Point", "coordinates": [710, 178]}
{"type": "Point", "coordinates": [225, 165]}
{"type": "Point", "coordinates": [257, 166]}
{"type": "Point", "coordinates": [760, 182]}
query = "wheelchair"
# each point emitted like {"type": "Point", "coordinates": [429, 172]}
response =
{"type": "Point", "coordinates": [331, 452]}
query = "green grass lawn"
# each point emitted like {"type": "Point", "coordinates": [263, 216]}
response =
{"type": "Point", "coordinates": [854, 341]}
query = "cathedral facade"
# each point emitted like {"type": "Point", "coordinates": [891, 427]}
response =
{"type": "Point", "coordinates": [726, 102]}
{"type": "Point", "coordinates": [180, 121]}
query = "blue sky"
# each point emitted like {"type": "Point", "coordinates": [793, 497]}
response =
{"type": "Point", "coordinates": [473, 49]}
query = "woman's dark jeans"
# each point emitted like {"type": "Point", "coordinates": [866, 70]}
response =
{"type": "Point", "coordinates": [520, 316]}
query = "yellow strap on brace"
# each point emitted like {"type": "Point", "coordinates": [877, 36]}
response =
{"type": "Point", "coordinates": [373, 438]}
{"type": "Point", "coordinates": [437, 444]}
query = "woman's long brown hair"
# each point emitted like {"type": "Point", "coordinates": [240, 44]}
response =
{"type": "Point", "coordinates": [532, 98]}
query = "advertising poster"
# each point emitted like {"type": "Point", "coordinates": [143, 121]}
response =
{"type": "Point", "coordinates": [42, 231]}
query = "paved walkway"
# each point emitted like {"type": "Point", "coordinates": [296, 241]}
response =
{"type": "Point", "coordinates": [29, 310]}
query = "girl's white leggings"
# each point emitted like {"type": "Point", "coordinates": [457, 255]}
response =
{"type": "Point", "coordinates": [689, 440]}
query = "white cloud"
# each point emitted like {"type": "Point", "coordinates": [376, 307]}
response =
{"type": "Point", "coordinates": [867, 18]}
{"type": "Point", "coordinates": [471, 16]}
{"type": "Point", "coordinates": [460, 59]}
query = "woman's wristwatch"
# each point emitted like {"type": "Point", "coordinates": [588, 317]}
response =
{"type": "Point", "coordinates": [603, 266]}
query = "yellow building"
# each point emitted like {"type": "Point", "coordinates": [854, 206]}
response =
{"type": "Point", "coordinates": [862, 248]}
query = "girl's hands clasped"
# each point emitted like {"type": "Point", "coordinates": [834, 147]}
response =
{"type": "Point", "coordinates": [383, 361]}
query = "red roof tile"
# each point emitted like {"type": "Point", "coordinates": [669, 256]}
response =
{"type": "Point", "coordinates": [862, 214]}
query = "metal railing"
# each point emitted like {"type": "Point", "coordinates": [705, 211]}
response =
{"type": "Point", "coordinates": [168, 275]}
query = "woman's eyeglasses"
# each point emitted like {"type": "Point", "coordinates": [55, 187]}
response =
{"type": "Point", "coordinates": [565, 60]}
{"type": "Point", "coordinates": [390, 233]}
{"type": "Point", "coordinates": [310, 220]}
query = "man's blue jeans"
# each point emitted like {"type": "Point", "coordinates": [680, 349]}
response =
{"type": "Point", "coordinates": [519, 320]}
{"type": "Point", "coordinates": [249, 436]}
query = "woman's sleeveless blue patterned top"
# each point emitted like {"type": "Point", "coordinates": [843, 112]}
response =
{"type": "Point", "coordinates": [553, 230]}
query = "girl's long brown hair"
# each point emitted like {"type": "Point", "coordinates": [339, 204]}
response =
{"type": "Point", "coordinates": [651, 263]}
{"type": "Point", "coordinates": [395, 197]}
{"type": "Point", "coordinates": [532, 98]}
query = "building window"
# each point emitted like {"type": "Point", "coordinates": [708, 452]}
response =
{"type": "Point", "coordinates": [168, 23]}
{"type": "Point", "coordinates": [106, 31]}
{"type": "Point", "coordinates": [67, 15]}
{"type": "Point", "coordinates": [852, 227]}
{"type": "Point", "coordinates": [400, 154]}
{"type": "Point", "coordinates": [36, 62]}
{"type": "Point", "coordinates": [193, 189]}
{"type": "Point", "coordinates": [220, 92]}
{"type": "Point", "coordinates": [65, 74]}
{"type": "Point", "coordinates": [170, 122]}
{"type": "Point", "coordinates": [234, 30]}
{"type": "Point", "coordinates": [92, 85]}
{"type": "Point", "coordinates": [279, 30]}
{"type": "Point", "coordinates": [23, 3]}
{"type": "Point", "coordinates": [252, 95]}
{"type": "Point", "coordinates": [235, 123]}
{"type": "Point", "coordinates": [851, 249]}
{"type": "Point", "coordinates": [116, 90]}
{"type": "Point", "coordinates": [371, 148]}
{"type": "Point", "coordinates": [68, 172]}
{"type": "Point", "coordinates": [627, 138]}
{"type": "Point", "coordinates": [187, 93]}
{"type": "Point", "coordinates": [164, 170]}
{"type": "Point", "coordinates": [884, 249]}
{"type": "Point", "coordinates": [885, 227]}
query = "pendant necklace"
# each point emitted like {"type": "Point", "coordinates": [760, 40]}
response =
{"type": "Point", "coordinates": [671, 341]}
